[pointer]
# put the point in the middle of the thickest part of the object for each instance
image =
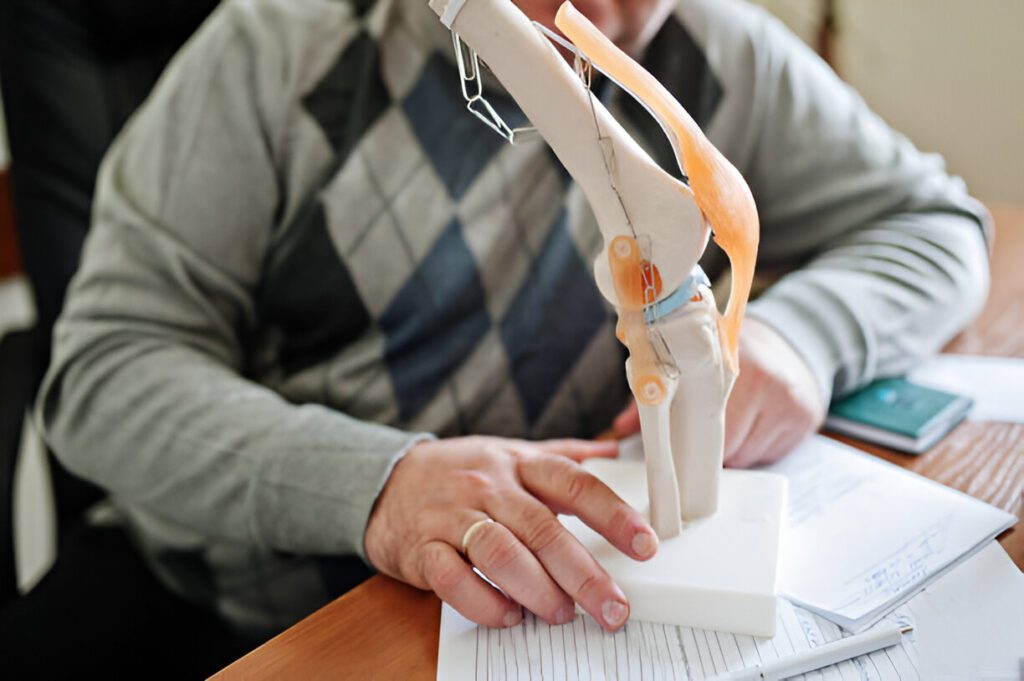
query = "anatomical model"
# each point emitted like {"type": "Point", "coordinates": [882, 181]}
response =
{"type": "Point", "coordinates": [682, 360]}
{"type": "Point", "coordinates": [681, 416]}
{"type": "Point", "coordinates": [683, 354]}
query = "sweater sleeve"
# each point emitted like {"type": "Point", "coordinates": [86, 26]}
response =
{"type": "Point", "coordinates": [146, 394]}
{"type": "Point", "coordinates": [884, 253]}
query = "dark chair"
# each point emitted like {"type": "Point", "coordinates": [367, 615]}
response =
{"type": "Point", "coordinates": [72, 71]}
{"type": "Point", "coordinates": [16, 350]}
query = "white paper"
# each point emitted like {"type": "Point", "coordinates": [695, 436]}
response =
{"type": "Point", "coordinates": [970, 623]}
{"type": "Point", "coordinates": [995, 383]}
{"type": "Point", "coordinates": [863, 535]}
{"type": "Point", "coordinates": [643, 651]}
{"type": "Point", "coordinates": [968, 626]}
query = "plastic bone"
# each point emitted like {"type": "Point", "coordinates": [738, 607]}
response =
{"type": "Point", "coordinates": [682, 363]}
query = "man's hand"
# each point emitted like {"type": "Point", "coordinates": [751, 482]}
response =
{"type": "Point", "coordinates": [441, 489]}
{"type": "Point", "coordinates": [774, 405]}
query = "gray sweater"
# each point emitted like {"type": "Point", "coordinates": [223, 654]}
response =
{"type": "Point", "coordinates": [306, 255]}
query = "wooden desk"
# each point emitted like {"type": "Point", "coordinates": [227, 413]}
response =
{"type": "Point", "coordinates": [384, 629]}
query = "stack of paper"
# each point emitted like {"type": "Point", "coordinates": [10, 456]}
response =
{"type": "Point", "coordinates": [643, 651]}
{"type": "Point", "coordinates": [864, 535]}
{"type": "Point", "coordinates": [967, 626]}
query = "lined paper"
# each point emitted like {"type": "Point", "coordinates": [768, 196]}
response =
{"type": "Point", "coordinates": [967, 626]}
{"type": "Point", "coordinates": [642, 651]}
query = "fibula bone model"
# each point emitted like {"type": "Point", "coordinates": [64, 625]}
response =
{"type": "Point", "coordinates": [682, 353]}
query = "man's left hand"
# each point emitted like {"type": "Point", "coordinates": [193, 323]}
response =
{"type": "Point", "coordinates": [774, 405]}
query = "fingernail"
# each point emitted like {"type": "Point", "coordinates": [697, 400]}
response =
{"type": "Point", "coordinates": [614, 613]}
{"type": "Point", "coordinates": [565, 614]}
{"type": "Point", "coordinates": [645, 544]}
{"type": "Point", "coordinates": [513, 617]}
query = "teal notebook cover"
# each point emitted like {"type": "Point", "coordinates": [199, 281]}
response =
{"type": "Point", "coordinates": [896, 405]}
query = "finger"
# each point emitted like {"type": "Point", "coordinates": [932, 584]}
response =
{"type": "Point", "coordinates": [787, 441]}
{"type": "Point", "coordinates": [578, 450]}
{"type": "Point", "coordinates": [455, 583]}
{"type": "Point", "coordinates": [564, 485]}
{"type": "Point", "coordinates": [565, 558]}
{"type": "Point", "coordinates": [777, 447]}
{"type": "Point", "coordinates": [499, 554]}
{"type": "Point", "coordinates": [740, 414]}
{"type": "Point", "coordinates": [628, 421]}
{"type": "Point", "coordinates": [753, 443]}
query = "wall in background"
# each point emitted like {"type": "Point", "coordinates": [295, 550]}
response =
{"type": "Point", "coordinates": [949, 74]}
{"type": "Point", "coordinates": [803, 17]}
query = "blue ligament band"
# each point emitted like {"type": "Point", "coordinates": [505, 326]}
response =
{"type": "Point", "coordinates": [681, 296]}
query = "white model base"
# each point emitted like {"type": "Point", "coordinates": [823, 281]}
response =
{"type": "Point", "coordinates": [720, 573]}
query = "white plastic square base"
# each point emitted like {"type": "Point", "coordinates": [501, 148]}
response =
{"type": "Point", "coordinates": [720, 573]}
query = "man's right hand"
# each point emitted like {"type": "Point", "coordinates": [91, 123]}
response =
{"type": "Point", "coordinates": [441, 489]}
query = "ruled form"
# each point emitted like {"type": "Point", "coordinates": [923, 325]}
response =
{"type": "Point", "coordinates": [863, 536]}
{"type": "Point", "coordinates": [967, 626]}
{"type": "Point", "coordinates": [641, 651]}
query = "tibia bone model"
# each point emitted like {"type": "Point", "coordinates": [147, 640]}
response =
{"type": "Point", "coordinates": [683, 354]}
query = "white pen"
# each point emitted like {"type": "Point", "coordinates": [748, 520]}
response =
{"type": "Point", "coordinates": [822, 656]}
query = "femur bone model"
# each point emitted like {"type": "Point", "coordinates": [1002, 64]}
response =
{"type": "Point", "coordinates": [682, 354]}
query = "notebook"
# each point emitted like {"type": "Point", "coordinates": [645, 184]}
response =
{"type": "Point", "coordinates": [896, 413]}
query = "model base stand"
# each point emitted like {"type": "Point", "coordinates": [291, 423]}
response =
{"type": "Point", "coordinates": [721, 572]}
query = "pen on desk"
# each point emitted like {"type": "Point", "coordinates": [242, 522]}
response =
{"type": "Point", "coordinates": [822, 656]}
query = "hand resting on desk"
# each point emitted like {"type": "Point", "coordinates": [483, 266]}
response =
{"type": "Point", "coordinates": [441, 489]}
{"type": "Point", "coordinates": [774, 405]}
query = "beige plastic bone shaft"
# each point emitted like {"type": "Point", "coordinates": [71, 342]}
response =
{"type": "Point", "coordinates": [697, 411]}
{"type": "Point", "coordinates": [662, 484]}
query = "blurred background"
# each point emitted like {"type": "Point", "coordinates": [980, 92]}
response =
{"type": "Point", "coordinates": [947, 73]}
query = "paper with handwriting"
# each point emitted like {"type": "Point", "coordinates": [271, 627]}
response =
{"type": "Point", "coordinates": [863, 535]}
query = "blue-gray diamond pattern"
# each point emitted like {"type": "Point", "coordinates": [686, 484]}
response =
{"type": "Point", "coordinates": [551, 320]}
{"type": "Point", "coordinates": [350, 97]}
{"type": "Point", "coordinates": [457, 143]}
{"type": "Point", "coordinates": [440, 314]}
{"type": "Point", "coordinates": [434, 322]}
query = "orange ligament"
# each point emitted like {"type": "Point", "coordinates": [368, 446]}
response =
{"type": "Point", "coordinates": [628, 275]}
{"type": "Point", "coordinates": [718, 188]}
